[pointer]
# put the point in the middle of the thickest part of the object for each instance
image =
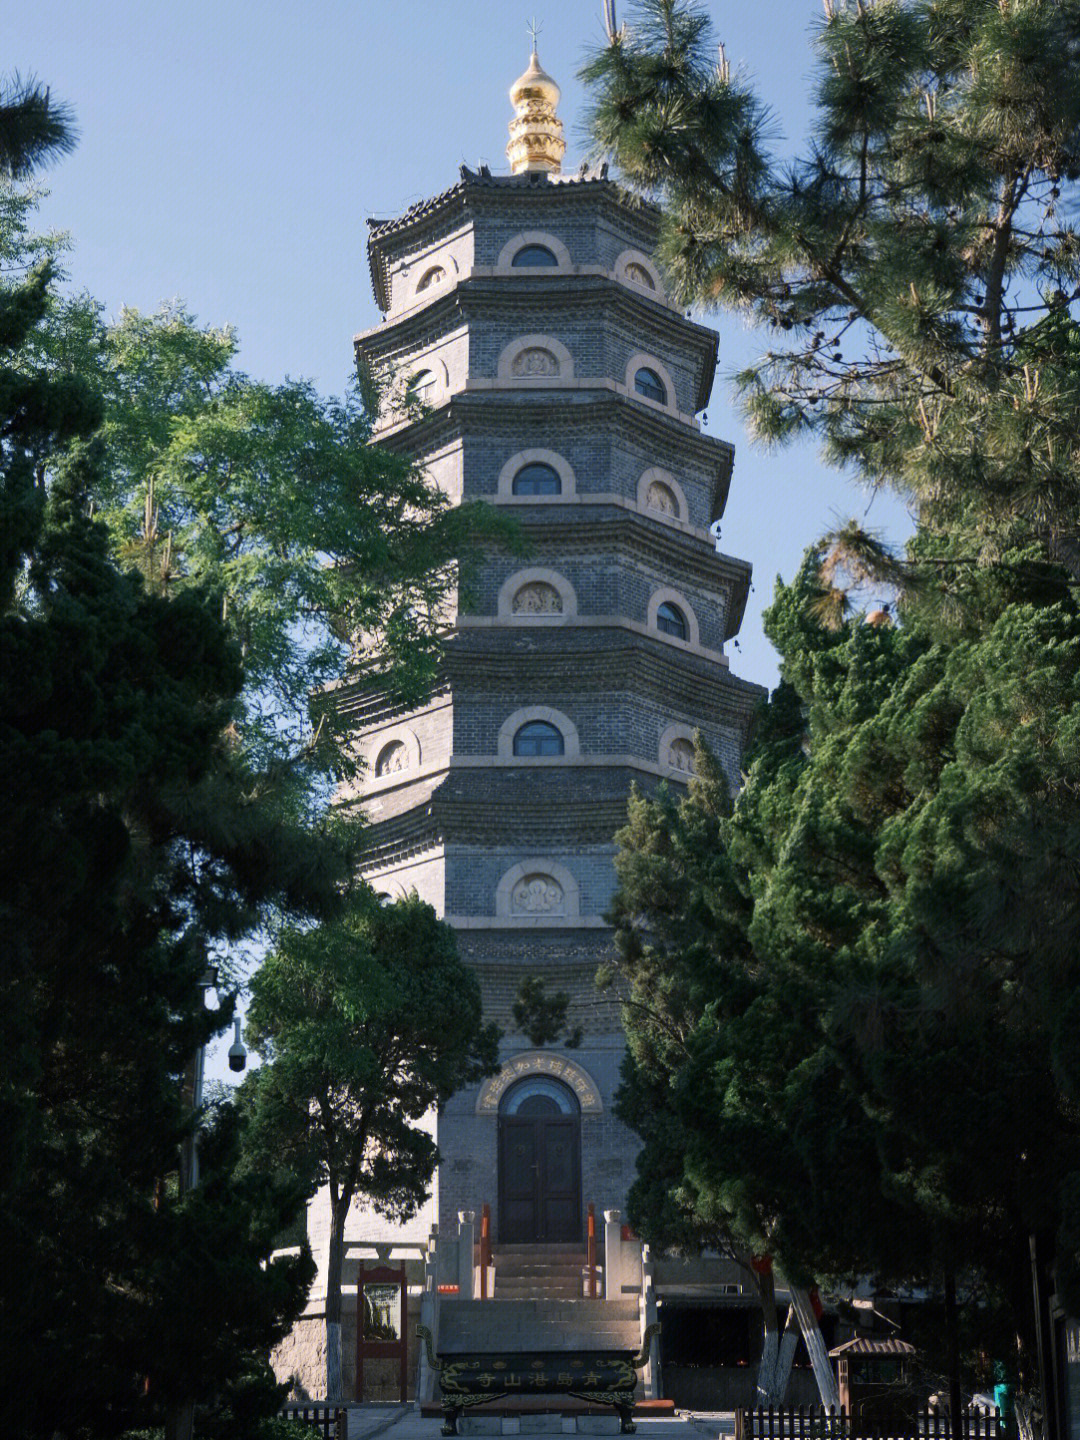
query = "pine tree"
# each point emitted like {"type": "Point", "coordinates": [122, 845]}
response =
{"type": "Point", "coordinates": [136, 840]}
{"type": "Point", "coordinates": [915, 267]}
{"type": "Point", "coordinates": [365, 1026]}
{"type": "Point", "coordinates": [888, 1046]}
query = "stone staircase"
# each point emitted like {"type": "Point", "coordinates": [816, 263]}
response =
{"type": "Point", "coordinates": [538, 1272]}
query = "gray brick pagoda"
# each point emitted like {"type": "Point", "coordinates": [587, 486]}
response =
{"type": "Point", "coordinates": [558, 381]}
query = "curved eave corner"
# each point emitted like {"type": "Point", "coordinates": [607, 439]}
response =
{"type": "Point", "coordinates": [740, 591]}
{"type": "Point", "coordinates": [708, 373]}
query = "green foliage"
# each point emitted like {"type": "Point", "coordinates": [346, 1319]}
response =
{"type": "Point", "coordinates": [155, 812]}
{"type": "Point", "coordinates": [542, 1017]}
{"type": "Point", "coordinates": [851, 1042]}
{"type": "Point", "coordinates": [34, 129]}
{"type": "Point", "coordinates": [915, 267]}
{"type": "Point", "coordinates": [364, 1025]}
{"type": "Point", "coordinates": [322, 547]}
{"type": "Point", "coordinates": [120, 861]}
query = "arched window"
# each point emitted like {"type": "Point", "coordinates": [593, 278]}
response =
{"type": "Point", "coordinates": [671, 620]}
{"type": "Point", "coordinates": [639, 275]}
{"type": "Point", "coordinates": [537, 1095]}
{"type": "Point", "coordinates": [435, 276]}
{"type": "Point", "coordinates": [537, 479]}
{"type": "Point", "coordinates": [648, 383]}
{"type": "Point", "coordinates": [538, 737]}
{"type": "Point", "coordinates": [421, 386]}
{"type": "Point", "coordinates": [530, 255]}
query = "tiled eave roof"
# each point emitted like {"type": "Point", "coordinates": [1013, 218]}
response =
{"type": "Point", "coordinates": [443, 423]}
{"type": "Point", "coordinates": [454, 199]}
{"type": "Point", "coordinates": [863, 1345]}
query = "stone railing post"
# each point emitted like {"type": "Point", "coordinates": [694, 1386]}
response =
{"type": "Point", "coordinates": [651, 1378]}
{"type": "Point", "coordinates": [613, 1255]}
{"type": "Point", "coordinates": [429, 1316]}
{"type": "Point", "coordinates": [466, 1220]}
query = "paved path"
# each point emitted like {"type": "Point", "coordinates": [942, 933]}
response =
{"type": "Point", "coordinates": [404, 1422]}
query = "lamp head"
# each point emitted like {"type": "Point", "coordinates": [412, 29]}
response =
{"type": "Point", "coordinates": [237, 1050]}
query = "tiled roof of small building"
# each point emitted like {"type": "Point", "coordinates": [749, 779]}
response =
{"type": "Point", "coordinates": [863, 1345]}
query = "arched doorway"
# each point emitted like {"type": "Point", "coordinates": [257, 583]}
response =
{"type": "Point", "coordinates": [539, 1163]}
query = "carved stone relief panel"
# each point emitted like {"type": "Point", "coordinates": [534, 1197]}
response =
{"type": "Point", "coordinates": [660, 497]}
{"type": "Point", "coordinates": [537, 895]}
{"type": "Point", "coordinates": [393, 758]}
{"type": "Point", "coordinates": [534, 361]}
{"type": "Point", "coordinates": [681, 755]}
{"type": "Point", "coordinates": [639, 275]}
{"type": "Point", "coordinates": [537, 598]}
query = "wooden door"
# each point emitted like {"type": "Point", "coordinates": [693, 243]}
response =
{"type": "Point", "coordinates": [539, 1179]}
{"type": "Point", "coordinates": [559, 1146]}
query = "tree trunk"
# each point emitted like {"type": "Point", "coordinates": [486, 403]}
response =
{"type": "Point", "coordinates": [180, 1421]}
{"type": "Point", "coordinates": [815, 1348]}
{"type": "Point", "coordinates": [770, 1345]}
{"type": "Point", "coordinates": [778, 1347]}
{"type": "Point", "coordinates": [785, 1358]}
{"type": "Point", "coordinates": [1028, 1420]}
{"type": "Point", "coordinates": [335, 1256]}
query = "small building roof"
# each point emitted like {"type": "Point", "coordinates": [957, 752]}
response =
{"type": "Point", "coordinates": [862, 1345]}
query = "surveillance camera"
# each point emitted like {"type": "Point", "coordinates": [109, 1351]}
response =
{"type": "Point", "coordinates": [237, 1051]}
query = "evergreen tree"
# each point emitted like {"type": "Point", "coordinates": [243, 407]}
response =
{"type": "Point", "coordinates": [365, 1026]}
{"type": "Point", "coordinates": [906, 264]}
{"type": "Point", "coordinates": [34, 129]}
{"type": "Point", "coordinates": [146, 689]}
{"type": "Point", "coordinates": [886, 1040]}
{"type": "Point", "coordinates": [114, 710]}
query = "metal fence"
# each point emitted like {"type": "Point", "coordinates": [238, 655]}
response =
{"type": "Point", "coordinates": [808, 1422]}
{"type": "Point", "coordinates": [328, 1421]}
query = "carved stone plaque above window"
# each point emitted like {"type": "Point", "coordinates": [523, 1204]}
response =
{"type": "Point", "coordinates": [681, 756]}
{"type": "Point", "coordinates": [639, 275]}
{"type": "Point", "coordinates": [393, 758]}
{"type": "Point", "coordinates": [534, 361]}
{"type": "Point", "coordinates": [537, 598]}
{"type": "Point", "coordinates": [537, 895]}
{"type": "Point", "coordinates": [659, 497]}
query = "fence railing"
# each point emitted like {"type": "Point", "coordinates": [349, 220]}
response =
{"type": "Point", "coordinates": [485, 1250]}
{"type": "Point", "coordinates": [590, 1251]}
{"type": "Point", "coordinates": [330, 1421]}
{"type": "Point", "coordinates": [809, 1422]}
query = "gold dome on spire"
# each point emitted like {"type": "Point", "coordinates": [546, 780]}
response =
{"type": "Point", "coordinates": [536, 132]}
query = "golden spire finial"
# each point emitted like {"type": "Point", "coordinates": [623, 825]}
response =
{"type": "Point", "coordinates": [536, 132]}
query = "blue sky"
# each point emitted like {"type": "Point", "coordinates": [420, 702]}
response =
{"type": "Point", "coordinates": [231, 153]}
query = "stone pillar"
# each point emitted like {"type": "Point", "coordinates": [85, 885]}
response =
{"type": "Point", "coordinates": [466, 1219]}
{"type": "Point", "coordinates": [612, 1254]}
{"type": "Point", "coordinates": [651, 1379]}
{"type": "Point", "coordinates": [429, 1316]}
